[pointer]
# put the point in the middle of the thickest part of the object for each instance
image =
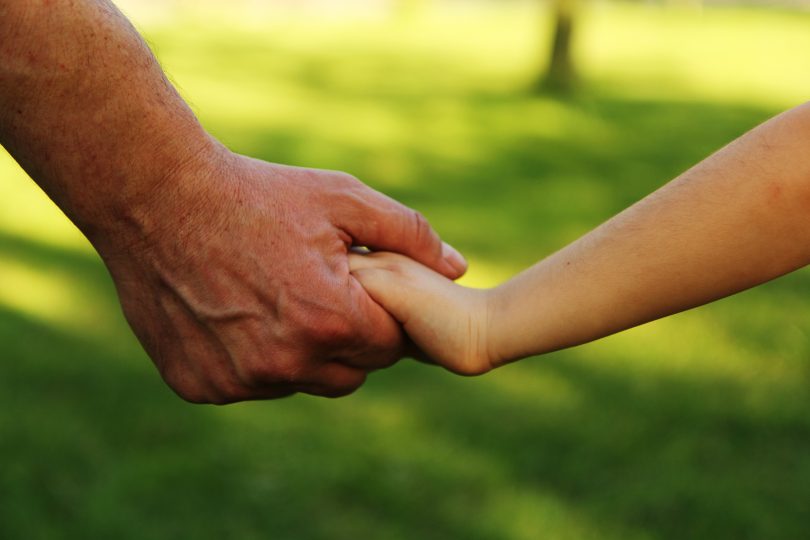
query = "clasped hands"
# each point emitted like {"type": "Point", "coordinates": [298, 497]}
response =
{"type": "Point", "coordinates": [237, 278]}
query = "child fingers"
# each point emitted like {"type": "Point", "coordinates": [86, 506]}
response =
{"type": "Point", "coordinates": [373, 281]}
{"type": "Point", "coordinates": [394, 295]}
{"type": "Point", "coordinates": [383, 260]}
{"type": "Point", "coordinates": [358, 261]}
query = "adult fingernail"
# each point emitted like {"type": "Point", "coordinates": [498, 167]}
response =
{"type": "Point", "coordinates": [454, 258]}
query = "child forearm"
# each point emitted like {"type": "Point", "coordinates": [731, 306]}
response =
{"type": "Point", "coordinates": [738, 219]}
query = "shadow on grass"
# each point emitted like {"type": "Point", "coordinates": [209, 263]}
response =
{"type": "Point", "coordinates": [657, 457]}
{"type": "Point", "coordinates": [512, 178]}
{"type": "Point", "coordinates": [94, 446]}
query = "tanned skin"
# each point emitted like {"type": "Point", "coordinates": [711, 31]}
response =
{"type": "Point", "coordinates": [232, 272]}
{"type": "Point", "coordinates": [736, 220]}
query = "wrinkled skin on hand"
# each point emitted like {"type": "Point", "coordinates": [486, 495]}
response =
{"type": "Point", "coordinates": [234, 275]}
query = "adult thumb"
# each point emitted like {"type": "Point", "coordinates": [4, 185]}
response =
{"type": "Point", "coordinates": [380, 223]}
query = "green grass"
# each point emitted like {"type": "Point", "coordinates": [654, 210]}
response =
{"type": "Point", "coordinates": [697, 426]}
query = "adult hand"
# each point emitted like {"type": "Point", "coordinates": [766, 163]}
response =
{"type": "Point", "coordinates": [232, 272]}
{"type": "Point", "coordinates": [234, 275]}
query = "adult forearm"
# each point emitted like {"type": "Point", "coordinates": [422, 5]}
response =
{"type": "Point", "coordinates": [740, 218]}
{"type": "Point", "coordinates": [87, 111]}
{"type": "Point", "coordinates": [232, 272]}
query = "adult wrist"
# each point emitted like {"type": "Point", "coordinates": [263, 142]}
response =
{"type": "Point", "coordinates": [179, 185]}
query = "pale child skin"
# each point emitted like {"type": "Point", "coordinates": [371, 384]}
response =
{"type": "Point", "coordinates": [738, 219]}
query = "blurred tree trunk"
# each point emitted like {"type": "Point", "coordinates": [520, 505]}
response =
{"type": "Point", "coordinates": [561, 74]}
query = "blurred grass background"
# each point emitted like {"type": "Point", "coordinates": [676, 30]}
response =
{"type": "Point", "coordinates": [697, 426]}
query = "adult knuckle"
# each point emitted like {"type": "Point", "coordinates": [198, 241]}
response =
{"type": "Point", "coordinates": [351, 179]}
{"type": "Point", "coordinates": [421, 229]}
{"type": "Point", "coordinates": [420, 222]}
{"type": "Point", "coordinates": [383, 360]}
{"type": "Point", "coordinates": [335, 329]}
{"type": "Point", "coordinates": [228, 391]}
{"type": "Point", "coordinates": [285, 368]}
{"type": "Point", "coordinates": [191, 390]}
{"type": "Point", "coordinates": [220, 399]}
{"type": "Point", "coordinates": [346, 181]}
{"type": "Point", "coordinates": [262, 370]}
{"type": "Point", "coordinates": [287, 359]}
{"type": "Point", "coordinates": [325, 327]}
{"type": "Point", "coordinates": [195, 398]}
{"type": "Point", "coordinates": [186, 389]}
{"type": "Point", "coordinates": [339, 391]}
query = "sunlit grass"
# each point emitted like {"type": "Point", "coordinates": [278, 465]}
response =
{"type": "Point", "coordinates": [694, 426]}
{"type": "Point", "coordinates": [26, 211]}
{"type": "Point", "coordinates": [52, 297]}
{"type": "Point", "coordinates": [720, 55]}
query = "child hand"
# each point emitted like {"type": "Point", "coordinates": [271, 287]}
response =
{"type": "Point", "coordinates": [447, 321]}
